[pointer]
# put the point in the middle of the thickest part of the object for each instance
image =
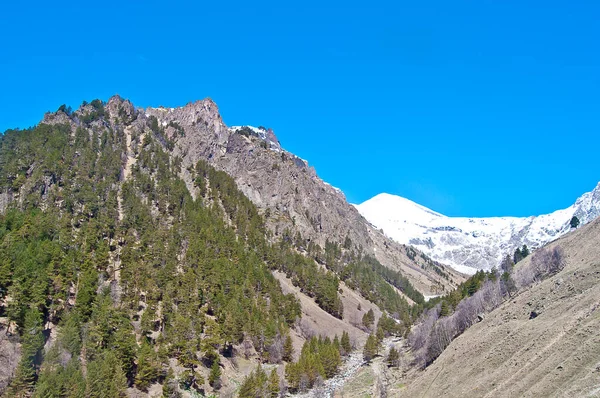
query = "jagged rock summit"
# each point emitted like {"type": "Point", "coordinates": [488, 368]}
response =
{"type": "Point", "coordinates": [469, 244]}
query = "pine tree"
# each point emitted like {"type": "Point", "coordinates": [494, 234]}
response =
{"type": "Point", "coordinates": [58, 381]}
{"type": "Point", "coordinates": [288, 349]}
{"type": "Point", "coordinates": [105, 378]}
{"type": "Point", "coordinates": [574, 222]}
{"type": "Point", "coordinates": [124, 347]}
{"type": "Point", "coordinates": [169, 389]}
{"type": "Point", "coordinates": [147, 371]}
{"type": "Point", "coordinates": [336, 344]}
{"type": "Point", "coordinates": [273, 384]}
{"type": "Point", "coordinates": [370, 349]}
{"type": "Point", "coordinates": [379, 334]}
{"type": "Point", "coordinates": [345, 343]}
{"type": "Point", "coordinates": [226, 290]}
{"type": "Point", "coordinates": [518, 255]}
{"type": "Point", "coordinates": [292, 375]}
{"type": "Point", "coordinates": [508, 283]}
{"type": "Point", "coordinates": [69, 334]}
{"type": "Point", "coordinates": [248, 388]}
{"type": "Point", "coordinates": [261, 381]}
{"type": "Point", "coordinates": [393, 358]}
{"type": "Point", "coordinates": [33, 342]}
{"type": "Point", "coordinates": [444, 309]}
{"type": "Point", "coordinates": [73, 382]}
{"type": "Point", "coordinates": [507, 264]}
{"type": "Point", "coordinates": [329, 357]}
{"type": "Point", "coordinates": [472, 286]}
{"type": "Point", "coordinates": [257, 384]}
{"type": "Point", "coordinates": [214, 378]}
{"type": "Point", "coordinates": [368, 319]}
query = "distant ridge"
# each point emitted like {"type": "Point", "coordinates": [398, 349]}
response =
{"type": "Point", "coordinates": [468, 244]}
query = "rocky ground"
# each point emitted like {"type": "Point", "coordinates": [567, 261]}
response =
{"type": "Point", "coordinates": [352, 365]}
{"type": "Point", "coordinates": [357, 378]}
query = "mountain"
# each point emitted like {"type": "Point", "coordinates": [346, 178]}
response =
{"type": "Point", "coordinates": [542, 342]}
{"type": "Point", "coordinates": [469, 244]}
{"type": "Point", "coordinates": [157, 248]}
{"type": "Point", "coordinates": [288, 191]}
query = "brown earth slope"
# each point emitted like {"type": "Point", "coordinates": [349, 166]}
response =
{"type": "Point", "coordinates": [556, 354]}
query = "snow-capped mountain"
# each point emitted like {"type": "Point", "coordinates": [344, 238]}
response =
{"type": "Point", "coordinates": [468, 244]}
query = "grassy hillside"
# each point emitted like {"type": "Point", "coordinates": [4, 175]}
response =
{"type": "Point", "coordinates": [542, 342]}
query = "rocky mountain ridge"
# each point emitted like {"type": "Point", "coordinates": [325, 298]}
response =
{"type": "Point", "coordinates": [469, 244]}
{"type": "Point", "coordinates": [292, 197]}
{"type": "Point", "coordinates": [294, 200]}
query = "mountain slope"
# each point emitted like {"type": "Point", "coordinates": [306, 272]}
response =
{"type": "Point", "coordinates": [128, 260]}
{"type": "Point", "coordinates": [468, 244]}
{"type": "Point", "coordinates": [509, 354]}
{"type": "Point", "coordinates": [112, 275]}
{"type": "Point", "coordinates": [295, 202]}
{"type": "Point", "coordinates": [293, 199]}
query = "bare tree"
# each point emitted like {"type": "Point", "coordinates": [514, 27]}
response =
{"type": "Point", "coordinates": [305, 328]}
{"type": "Point", "coordinates": [420, 338]}
{"type": "Point", "coordinates": [492, 294]}
{"type": "Point", "coordinates": [247, 347]}
{"type": "Point", "coordinates": [275, 349]}
{"type": "Point", "coordinates": [304, 383]}
{"type": "Point", "coordinates": [283, 387]}
{"type": "Point", "coordinates": [557, 260]}
{"type": "Point", "coordinates": [433, 334]}
{"type": "Point", "coordinates": [465, 315]}
{"type": "Point", "coordinates": [420, 333]}
{"type": "Point", "coordinates": [478, 301]}
{"type": "Point", "coordinates": [524, 276]}
{"type": "Point", "coordinates": [544, 262]}
{"type": "Point", "coordinates": [507, 264]}
{"type": "Point", "coordinates": [441, 336]}
{"type": "Point", "coordinates": [540, 263]}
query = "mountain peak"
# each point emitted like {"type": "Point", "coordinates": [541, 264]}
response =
{"type": "Point", "coordinates": [468, 243]}
{"type": "Point", "coordinates": [411, 209]}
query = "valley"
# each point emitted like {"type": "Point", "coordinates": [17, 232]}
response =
{"type": "Point", "coordinates": [158, 252]}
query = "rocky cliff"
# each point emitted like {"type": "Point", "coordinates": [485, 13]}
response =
{"type": "Point", "coordinates": [288, 190]}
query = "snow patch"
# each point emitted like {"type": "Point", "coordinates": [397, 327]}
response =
{"type": "Point", "coordinates": [260, 133]}
{"type": "Point", "coordinates": [328, 184]}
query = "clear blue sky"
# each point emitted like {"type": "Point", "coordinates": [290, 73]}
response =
{"type": "Point", "coordinates": [472, 108]}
